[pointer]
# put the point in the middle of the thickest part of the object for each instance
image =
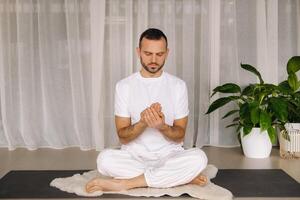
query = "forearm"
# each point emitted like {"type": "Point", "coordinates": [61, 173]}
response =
{"type": "Point", "coordinates": [127, 134]}
{"type": "Point", "coordinates": [174, 133]}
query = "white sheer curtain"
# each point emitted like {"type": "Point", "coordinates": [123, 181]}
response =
{"type": "Point", "coordinates": [47, 74]}
{"type": "Point", "coordinates": [60, 61]}
{"type": "Point", "coordinates": [208, 40]}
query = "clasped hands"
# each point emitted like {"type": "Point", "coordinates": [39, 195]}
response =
{"type": "Point", "coordinates": [153, 117]}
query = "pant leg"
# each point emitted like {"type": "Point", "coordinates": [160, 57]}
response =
{"type": "Point", "coordinates": [179, 169]}
{"type": "Point", "coordinates": [119, 164]}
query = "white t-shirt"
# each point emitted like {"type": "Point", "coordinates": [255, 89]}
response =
{"type": "Point", "coordinates": [135, 93]}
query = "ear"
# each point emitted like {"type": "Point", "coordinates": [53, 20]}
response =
{"type": "Point", "coordinates": [167, 52]}
{"type": "Point", "coordinates": [138, 52]}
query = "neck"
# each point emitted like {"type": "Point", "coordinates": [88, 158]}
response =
{"type": "Point", "coordinates": [147, 74]}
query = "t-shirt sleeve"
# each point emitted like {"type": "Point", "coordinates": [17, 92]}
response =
{"type": "Point", "coordinates": [122, 100]}
{"type": "Point", "coordinates": [182, 103]}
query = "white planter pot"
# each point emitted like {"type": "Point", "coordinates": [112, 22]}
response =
{"type": "Point", "coordinates": [290, 148]}
{"type": "Point", "coordinates": [292, 126]}
{"type": "Point", "coordinates": [256, 144]}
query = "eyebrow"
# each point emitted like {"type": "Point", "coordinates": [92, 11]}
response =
{"type": "Point", "coordinates": [155, 53]}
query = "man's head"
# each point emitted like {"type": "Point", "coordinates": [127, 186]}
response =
{"type": "Point", "coordinates": [153, 51]}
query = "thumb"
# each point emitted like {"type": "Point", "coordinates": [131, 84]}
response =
{"type": "Point", "coordinates": [161, 114]}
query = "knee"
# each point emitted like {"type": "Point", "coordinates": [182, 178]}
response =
{"type": "Point", "coordinates": [104, 161]}
{"type": "Point", "coordinates": [199, 159]}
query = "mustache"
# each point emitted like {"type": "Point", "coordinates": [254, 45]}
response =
{"type": "Point", "coordinates": [152, 64]}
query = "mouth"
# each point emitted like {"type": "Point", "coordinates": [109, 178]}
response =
{"type": "Point", "coordinates": [152, 65]}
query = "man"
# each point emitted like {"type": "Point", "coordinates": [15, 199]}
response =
{"type": "Point", "coordinates": [151, 115]}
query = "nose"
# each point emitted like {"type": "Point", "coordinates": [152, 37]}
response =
{"type": "Point", "coordinates": [153, 58]}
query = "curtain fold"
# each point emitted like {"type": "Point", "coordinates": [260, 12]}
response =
{"type": "Point", "coordinates": [60, 61]}
{"type": "Point", "coordinates": [46, 74]}
{"type": "Point", "coordinates": [97, 24]}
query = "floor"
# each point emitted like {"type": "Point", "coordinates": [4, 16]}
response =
{"type": "Point", "coordinates": [73, 158]}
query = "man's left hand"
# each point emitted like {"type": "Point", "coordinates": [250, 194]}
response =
{"type": "Point", "coordinates": [154, 119]}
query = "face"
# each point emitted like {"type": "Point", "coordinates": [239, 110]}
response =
{"type": "Point", "coordinates": [153, 54]}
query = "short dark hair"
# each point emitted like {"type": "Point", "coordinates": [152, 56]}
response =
{"type": "Point", "coordinates": [153, 34]}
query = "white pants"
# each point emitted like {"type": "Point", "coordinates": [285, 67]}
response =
{"type": "Point", "coordinates": [176, 168]}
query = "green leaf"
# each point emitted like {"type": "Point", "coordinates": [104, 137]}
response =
{"type": "Point", "coordinates": [285, 88]}
{"type": "Point", "coordinates": [245, 117]}
{"type": "Point", "coordinates": [293, 65]}
{"type": "Point", "coordinates": [220, 102]}
{"type": "Point", "coordinates": [264, 120]}
{"type": "Point", "coordinates": [253, 70]}
{"type": "Point", "coordinates": [227, 88]}
{"type": "Point", "coordinates": [285, 135]}
{"type": "Point", "coordinates": [248, 90]}
{"type": "Point", "coordinates": [269, 88]}
{"type": "Point", "coordinates": [247, 129]}
{"type": "Point", "coordinates": [293, 81]}
{"type": "Point", "coordinates": [280, 108]}
{"type": "Point", "coordinates": [230, 125]}
{"type": "Point", "coordinates": [272, 134]}
{"type": "Point", "coordinates": [236, 119]}
{"type": "Point", "coordinates": [238, 128]}
{"type": "Point", "coordinates": [254, 114]}
{"type": "Point", "coordinates": [293, 112]}
{"type": "Point", "coordinates": [229, 113]}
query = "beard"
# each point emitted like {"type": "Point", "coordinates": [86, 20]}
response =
{"type": "Point", "coordinates": [150, 69]}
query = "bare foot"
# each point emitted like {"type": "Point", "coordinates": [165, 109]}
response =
{"type": "Point", "coordinates": [99, 184]}
{"type": "Point", "coordinates": [199, 180]}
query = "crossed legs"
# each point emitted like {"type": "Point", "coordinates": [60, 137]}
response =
{"type": "Point", "coordinates": [129, 173]}
{"type": "Point", "coordinates": [99, 184]}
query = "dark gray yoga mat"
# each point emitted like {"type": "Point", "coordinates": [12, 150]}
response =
{"type": "Point", "coordinates": [258, 182]}
{"type": "Point", "coordinates": [242, 183]}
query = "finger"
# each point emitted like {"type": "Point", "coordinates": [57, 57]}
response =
{"type": "Point", "coordinates": [148, 120]}
{"type": "Point", "coordinates": [150, 115]}
{"type": "Point", "coordinates": [144, 112]}
{"type": "Point", "coordinates": [157, 107]}
{"type": "Point", "coordinates": [156, 115]}
{"type": "Point", "coordinates": [203, 179]}
{"type": "Point", "coordinates": [94, 189]}
{"type": "Point", "coordinates": [154, 104]}
{"type": "Point", "coordinates": [90, 184]}
{"type": "Point", "coordinates": [143, 115]}
{"type": "Point", "coordinates": [161, 114]}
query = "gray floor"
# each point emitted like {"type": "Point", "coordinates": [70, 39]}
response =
{"type": "Point", "coordinates": [73, 158]}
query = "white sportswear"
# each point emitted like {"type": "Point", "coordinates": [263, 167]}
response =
{"type": "Point", "coordinates": [163, 162]}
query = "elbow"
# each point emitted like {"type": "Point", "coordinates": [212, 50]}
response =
{"type": "Point", "coordinates": [181, 137]}
{"type": "Point", "coordinates": [122, 138]}
{"type": "Point", "coordinates": [179, 140]}
{"type": "Point", "coordinates": [123, 141]}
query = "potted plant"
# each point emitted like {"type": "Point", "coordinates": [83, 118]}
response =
{"type": "Point", "coordinates": [259, 109]}
{"type": "Point", "coordinates": [290, 91]}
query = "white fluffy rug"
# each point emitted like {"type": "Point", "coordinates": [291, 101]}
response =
{"type": "Point", "coordinates": [211, 191]}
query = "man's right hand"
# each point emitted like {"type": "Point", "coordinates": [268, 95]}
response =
{"type": "Point", "coordinates": [152, 116]}
{"type": "Point", "coordinates": [128, 132]}
{"type": "Point", "coordinates": [156, 106]}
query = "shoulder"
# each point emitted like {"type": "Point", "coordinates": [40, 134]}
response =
{"type": "Point", "coordinates": [125, 83]}
{"type": "Point", "coordinates": [175, 81]}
